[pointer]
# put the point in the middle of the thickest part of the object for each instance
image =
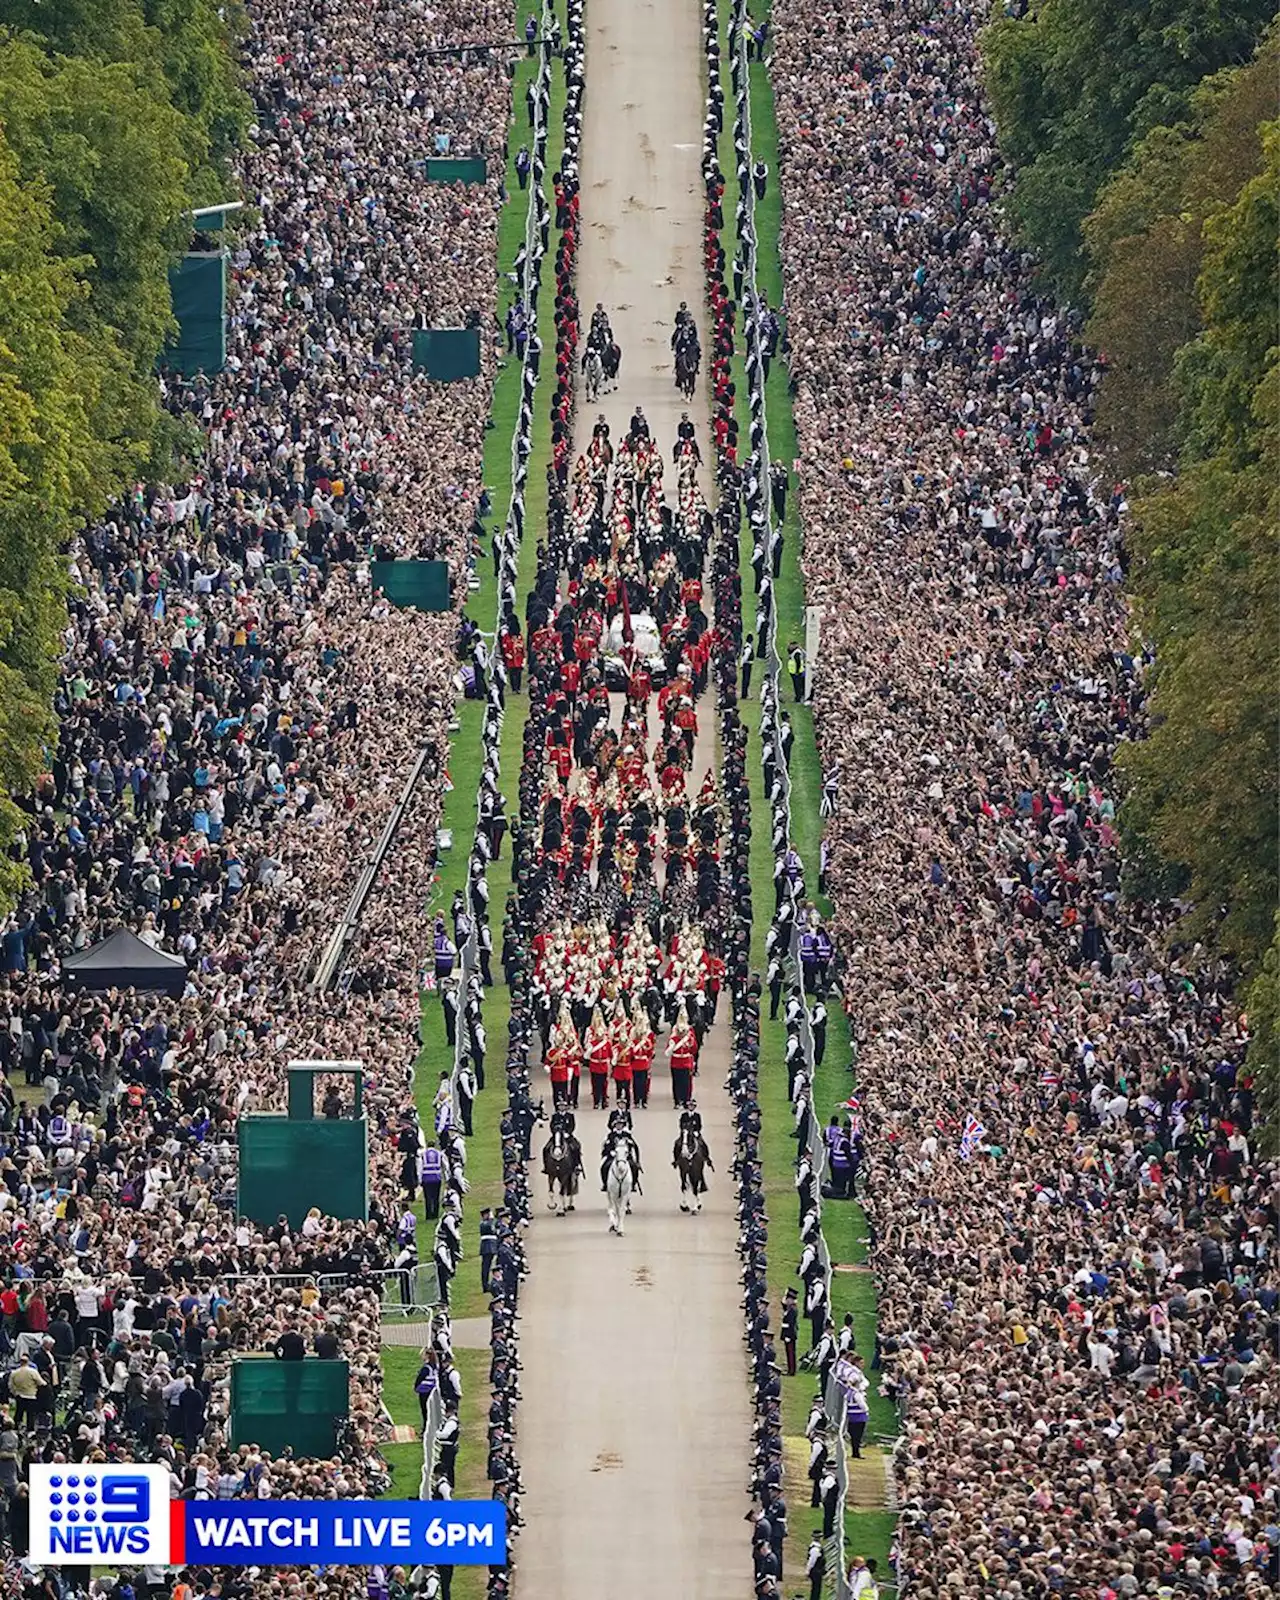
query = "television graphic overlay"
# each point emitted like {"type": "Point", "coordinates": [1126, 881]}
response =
{"type": "Point", "coordinates": [94, 1514]}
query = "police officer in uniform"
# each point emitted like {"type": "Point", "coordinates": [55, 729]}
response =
{"type": "Point", "coordinates": [432, 1170]}
{"type": "Point", "coordinates": [620, 1129]}
{"type": "Point", "coordinates": [790, 1330]}
{"type": "Point", "coordinates": [488, 1247]}
{"type": "Point", "coordinates": [816, 1565]}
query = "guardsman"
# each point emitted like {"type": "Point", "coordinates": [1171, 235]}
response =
{"type": "Point", "coordinates": [641, 1049]}
{"type": "Point", "coordinates": [599, 1051]}
{"type": "Point", "coordinates": [682, 1050]}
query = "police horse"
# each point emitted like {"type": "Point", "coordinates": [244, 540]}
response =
{"type": "Point", "coordinates": [691, 1159]}
{"type": "Point", "coordinates": [619, 1183]}
{"type": "Point", "coordinates": [593, 372]}
{"type": "Point", "coordinates": [561, 1164]}
{"type": "Point", "coordinates": [688, 362]}
{"type": "Point", "coordinates": [602, 357]}
{"type": "Point", "coordinates": [688, 353]}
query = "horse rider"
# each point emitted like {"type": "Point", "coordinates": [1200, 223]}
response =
{"type": "Point", "coordinates": [685, 334]}
{"type": "Point", "coordinates": [620, 1133]}
{"type": "Point", "coordinates": [639, 428]}
{"type": "Point", "coordinates": [691, 1128]}
{"type": "Point", "coordinates": [562, 1122]}
{"type": "Point", "coordinates": [690, 1123]}
{"type": "Point", "coordinates": [597, 341]}
{"type": "Point", "coordinates": [600, 340]}
{"type": "Point", "coordinates": [684, 322]}
{"type": "Point", "coordinates": [686, 443]}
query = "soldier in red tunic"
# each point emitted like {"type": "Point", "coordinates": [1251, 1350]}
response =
{"type": "Point", "coordinates": [682, 1049]}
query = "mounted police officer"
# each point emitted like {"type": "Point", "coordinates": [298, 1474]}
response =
{"type": "Point", "coordinates": [620, 1133]}
{"type": "Point", "coordinates": [691, 1120]}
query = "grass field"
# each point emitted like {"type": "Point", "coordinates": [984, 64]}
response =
{"type": "Point", "coordinates": [868, 1527]}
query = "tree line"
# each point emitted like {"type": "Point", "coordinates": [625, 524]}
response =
{"type": "Point", "coordinates": [1145, 149]}
{"type": "Point", "coordinates": [117, 118]}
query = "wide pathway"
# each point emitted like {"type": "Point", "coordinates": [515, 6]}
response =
{"type": "Point", "coordinates": [635, 1421]}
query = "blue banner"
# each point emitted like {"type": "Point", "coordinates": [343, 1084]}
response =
{"type": "Point", "coordinates": [324, 1533]}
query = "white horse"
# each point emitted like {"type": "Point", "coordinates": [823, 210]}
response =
{"type": "Point", "coordinates": [618, 1186]}
{"type": "Point", "coordinates": [593, 373]}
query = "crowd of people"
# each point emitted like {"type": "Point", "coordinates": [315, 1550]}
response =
{"type": "Point", "coordinates": [237, 710]}
{"type": "Point", "coordinates": [1074, 1224]}
{"type": "Point", "coordinates": [1074, 1217]}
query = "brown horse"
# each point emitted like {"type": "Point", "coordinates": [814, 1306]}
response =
{"type": "Point", "coordinates": [561, 1165]}
{"type": "Point", "coordinates": [691, 1159]}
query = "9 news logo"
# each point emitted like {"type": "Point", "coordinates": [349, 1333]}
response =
{"type": "Point", "coordinates": [89, 1513]}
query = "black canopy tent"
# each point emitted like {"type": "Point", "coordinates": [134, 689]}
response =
{"type": "Point", "coordinates": [123, 961]}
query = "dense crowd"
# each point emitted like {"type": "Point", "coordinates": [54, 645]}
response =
{"type": "Point", "coordinates": [1085, 1369]}
{"type": "Point", "coordinates": [237, 711]}
{"type": "Point", "coordinates": [1075, 1222]}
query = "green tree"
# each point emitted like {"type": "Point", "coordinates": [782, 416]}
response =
{"type": "Point", "coordinates": [54, 466]}
{"type": "Point", "coordinates": [1206, 585]}
{"type": "Point", "coordinates": [196, 43]}
{"type": "Point", "coordinates": [115, 119]}
{"type": "Point", "coordinates": [1145, 244]}
{"type": "Point", "coordinates": [1228, 370]}
{"type": "Point", "coordinates": [111, 155]}
{"type": "Point", "coordinates": [185, 55]}
{"type": "Point", "coordinates": [1075, 82]}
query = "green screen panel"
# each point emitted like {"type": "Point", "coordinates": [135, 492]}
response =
{"type": "Point", "coordinates": [447, 354]}
{"type": "Point", "coordinates": [297, 1404]}
{"type": "Point", "coordinates": [455, 169]}
{"type": "Point", "coordinates": [424, 584]}
{"type": "Point", "coordinates": [198, 286]}
{"type": "Point", "coordinates": [291, 1166]}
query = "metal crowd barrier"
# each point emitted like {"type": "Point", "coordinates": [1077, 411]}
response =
{"type": "Point", "coordinates": [780, 817]}
{"type": "Point", "coordinates": [435, 1415]}
{"type": "Point", "coordinates": [409, 1291]}
{"type": "Point", "coordinates": [330, 962]}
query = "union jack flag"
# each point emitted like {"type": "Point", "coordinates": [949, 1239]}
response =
{"type": "Point", "coordinates": [973, 1135]}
